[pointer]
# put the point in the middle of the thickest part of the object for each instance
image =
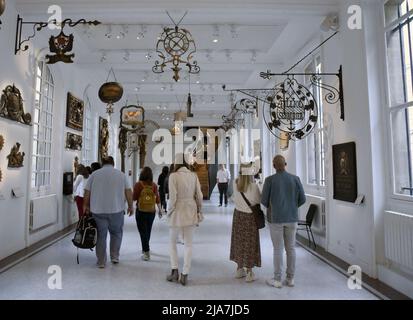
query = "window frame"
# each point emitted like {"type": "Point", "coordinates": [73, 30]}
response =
{"type": "Point", "coordinates": [43, 136]}
{"type": "Point", "coordinates": [317, 132]}
{"type": "Point", "coordinates": [390, 109]}
{"type": "Point", "coordinates": [87, 139]}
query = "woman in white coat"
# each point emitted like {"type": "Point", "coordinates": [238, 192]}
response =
{"type": "Point", "coordinates": [185, 202]}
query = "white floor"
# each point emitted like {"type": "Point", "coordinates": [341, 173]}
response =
{"type": "Point", "coordinates": [212, 274]}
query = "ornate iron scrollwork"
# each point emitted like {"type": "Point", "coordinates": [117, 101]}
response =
{"type": "Point", "coordinates": [176, 46]}
{"type": "Point", "coordinates": [235, 117]}
{"type": "Point", "coordinates": [290, 109]}
{"type": "Point", "coordinates": [60, 45]}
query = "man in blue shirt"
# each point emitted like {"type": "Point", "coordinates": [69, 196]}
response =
{"type": "Point", "coordinates": [282, 194]}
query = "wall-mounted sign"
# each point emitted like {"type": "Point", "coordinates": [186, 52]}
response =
{"type": "Point", "coordinates": [345, 172]}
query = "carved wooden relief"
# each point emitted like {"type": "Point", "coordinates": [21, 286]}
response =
{"type": "Point", "coordinates": [11, 106]}
{"type": "Point", "coordinates": [103, 139]}
{"type": "Point", "coordinates": [15, 157]}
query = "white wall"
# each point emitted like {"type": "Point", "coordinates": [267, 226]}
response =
{"type": "Point", "coordinates": [14, 214]}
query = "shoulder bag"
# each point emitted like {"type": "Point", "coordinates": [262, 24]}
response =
{"type": "Point", "coordinates": [256, 211]}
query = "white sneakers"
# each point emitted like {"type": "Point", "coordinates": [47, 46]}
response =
{"type": "Point", "coordinates": [274, 283]}
{"type": "Point", "coordinates": [240, 273]}
{"type": "Point", "coordinates": [250, 276]}
{"type": "Point", "coordinates": [279, 284]}
{"type": "Point", "coordinates": [289, 282]}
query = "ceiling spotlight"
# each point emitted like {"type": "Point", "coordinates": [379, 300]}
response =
{"type": "Point", "coordinates": [158, 107]}
{"type": "Point", "coordinates": [215, 34]}
{"type": "Point", "coordinates": [108, 33]}
{"type": "Point", "coordinates": [137, 88]}
{"type": "Point", "coordinates": [197, 81]}
{"type": "Point", "coordinates": [104, 57]}
{"type": "Point", "coordinates": [228, 55]}
{"type": "Point", "coordinates": [163, 88]}
{"type": "Point", "coordinates": [253, 56]}
{"type": "Point", "coordinates": [148, 55]}
{"type": "Point", "coordinates": [126, 57]}
{"type": "Point", "coordinates": [142, 30]}
{"type": "Point", "coordinates": [213, 100]}
{"type": "Point", "coordinates": [234, 31]}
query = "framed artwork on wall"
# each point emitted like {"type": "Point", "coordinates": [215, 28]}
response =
{"type": "Point", "coordinates": [73, 141]}
{"type": "Point", "coordinates": [74, 114]}
{"type": "Point", "coordinates": [103, 148]}
{"type": "Point", "coordinates": [345, 172]}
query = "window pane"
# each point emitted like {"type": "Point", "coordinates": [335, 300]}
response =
{"type": "Point", "coordinates": [402, 133]}
{"type": "Point", "coordinates": [396, 68]}
{"type": "Point", "coordinates": [311, 160]}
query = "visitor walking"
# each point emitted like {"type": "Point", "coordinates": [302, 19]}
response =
{"type": "Point", "coordinates": [161, 184]}
{"type": "Point", "coordinates": [245, 238]}
{"type": "Point", "coordinates": [223, 179]}
{"type": "Point", "coordinates": [283, 194]}
{"type": "Point", "coordinates": [185, 203]}
{"type": "Point", "coordinates": [105, 195]}
{"type": "Point", "coordinates": [145, 193]}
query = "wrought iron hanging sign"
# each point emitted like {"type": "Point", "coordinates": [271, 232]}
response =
{"type": "Point", "coordinates": [176, 47]}
{"type": "Point", "coordinates": [290, 108]}
{"type": "Point", "coordinates": [235, 117]}
{"type": "Point", "coordinates": [60, 46]}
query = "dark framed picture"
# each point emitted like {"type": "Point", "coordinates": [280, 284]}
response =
{"type": "Point", "coordinates": [345, 172]}
{"type": "Point", "coordinates": [73, 141]}
{"type": "Point", "coordinates": [74, 112]}
{"type": "Point", "coordinates": [103, 139]}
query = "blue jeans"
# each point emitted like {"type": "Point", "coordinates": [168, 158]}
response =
{"type": "Point", "coordinates": [114, 224]}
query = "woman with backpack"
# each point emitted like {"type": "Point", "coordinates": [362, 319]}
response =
{"type": "Point", "coordinates": [145, 193]}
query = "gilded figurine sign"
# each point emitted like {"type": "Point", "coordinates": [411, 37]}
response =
{"type": "Point", "coordinates": [11, 106]}
{"type": "Point", "coordinates": [74, 116]}
{"type": "Point", "coordinates": [103, 139]}
{"type": "Point", "coordinates": [60, 46]}
{"type": "Point", "coordinates": [15, 157]}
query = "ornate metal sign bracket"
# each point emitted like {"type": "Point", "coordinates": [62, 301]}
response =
{"type": "Point", "coordinates": [61, 42]}
{"type": "Point", "coordinates": [333, 94]}
{"type": "Point", "coordinates": [290, 109]}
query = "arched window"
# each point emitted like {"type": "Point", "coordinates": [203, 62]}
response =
{"type": "Point", "coordinates": [42, 127]}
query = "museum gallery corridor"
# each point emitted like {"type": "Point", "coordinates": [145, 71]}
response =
{"type": "Point", "coordinates": [212, 276]}
{"type": "Point", "coordinates": [307, 105]}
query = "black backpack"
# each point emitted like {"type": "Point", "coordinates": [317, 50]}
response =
{"type": "Point", "coordinates": [85, 235]}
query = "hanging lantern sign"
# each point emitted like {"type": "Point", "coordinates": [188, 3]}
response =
{"type": "Point", "coordinates": [110, 93]}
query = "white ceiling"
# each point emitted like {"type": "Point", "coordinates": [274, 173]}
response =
{"type": "Point", "coordinates": [253, 36]}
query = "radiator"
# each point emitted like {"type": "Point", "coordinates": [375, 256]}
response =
{"type": "Point", "coordinates": [43, 212]}
{"type": "Point", "coordinates": [398, 238]}
{"type": "Point", "coordinates": [319, 222]}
